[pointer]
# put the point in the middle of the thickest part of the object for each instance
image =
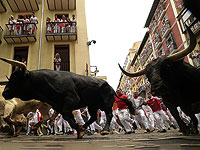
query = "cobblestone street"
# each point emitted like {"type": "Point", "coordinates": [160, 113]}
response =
{"type": "Point", "coordinates": [153, 141]}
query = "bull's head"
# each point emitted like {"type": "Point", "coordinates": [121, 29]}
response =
{"type": "Point", "coordinates": [18, 80]}
{"type": "Point", "coordinates": [156, 70]}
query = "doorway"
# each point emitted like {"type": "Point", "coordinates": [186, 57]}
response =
{"type": "Point", "coordinates": [63, 50]}
{"type": "Point", "coordinates": [21, 54]}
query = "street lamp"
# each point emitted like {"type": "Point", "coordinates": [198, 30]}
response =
{"type": "Point", "coordinates": [90, 42]}
{"type": "Point", "coordinates": [94, 73]}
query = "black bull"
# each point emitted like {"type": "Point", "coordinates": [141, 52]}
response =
{"type": "Point", "coordinates": [177, 82]}
{"type": "Point", "coordinates": [64, 91]}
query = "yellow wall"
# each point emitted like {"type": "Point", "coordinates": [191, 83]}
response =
{"type": "Point", "coordinates": [79, 51]}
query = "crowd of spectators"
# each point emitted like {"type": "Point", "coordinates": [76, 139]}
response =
{"type": "Point", "coordinates": [61, 25]}
{"type": "Point", "coordinates": [26, 24]}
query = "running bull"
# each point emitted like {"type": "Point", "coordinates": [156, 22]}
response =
{"type": "Point", "coordinates": [177, 82]}
{"type": "Point", "coordinates": [65, 91]}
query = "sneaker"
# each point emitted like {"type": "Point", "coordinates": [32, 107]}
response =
{"type": "Point", "coordinates": [147, 131]}
{"type": "Point", "coordinates": [74, 133]}
{"type": "Point", "coordinates": [134, 126]}
{"type": "Point", "coordinates": [173, 126]}
{"type": "Point", "coordinates": [116, 132]}
{"type": "Point", "coordinates": [163, 131]}
{"type": "Point", "coordinates": [41, 134]}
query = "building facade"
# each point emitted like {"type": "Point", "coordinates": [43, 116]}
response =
{"type": "Point", "coordinates": [125, 82]}
{"type": "Point", "coordinates": [36, 43]}
{"type": "Point", "coordinates": [166, 34]}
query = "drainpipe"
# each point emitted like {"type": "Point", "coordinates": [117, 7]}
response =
{"type": "Point", "coordinates": [40, 44]}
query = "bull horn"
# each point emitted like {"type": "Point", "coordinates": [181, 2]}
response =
{"type": "Point", "coordinates": [14, 62]}
{"type": "Point", "coordinates": [186, 51]}
{"type": "Point", "coordinates": [136, 74]}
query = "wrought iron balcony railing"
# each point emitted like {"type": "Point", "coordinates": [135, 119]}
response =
{"type": "Point", "coordinates": [59, 31]}
{"type": "Point", "coordinates": [20, 32]}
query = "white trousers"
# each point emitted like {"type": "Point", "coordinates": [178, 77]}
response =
{"type": "Point", "coordinates": [124, 117]}
{"type": "Point", "coordinates": [141, 118]}
{"type": "Point", "coordinates": [79, 118]}
{"type": "Point", "coordinates": [160, 119]}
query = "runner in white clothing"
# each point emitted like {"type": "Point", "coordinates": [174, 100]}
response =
{"type": "Point", "coordinates": [137, 102]}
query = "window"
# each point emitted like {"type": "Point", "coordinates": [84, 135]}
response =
{"type": "Point", "coordinates": [161, 52]}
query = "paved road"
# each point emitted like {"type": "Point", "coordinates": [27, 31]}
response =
{"type": "Point", "coordinates": [172, 140]}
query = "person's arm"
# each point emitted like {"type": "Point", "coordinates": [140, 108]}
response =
{"type": "Point", "coordinates": [128, 103]}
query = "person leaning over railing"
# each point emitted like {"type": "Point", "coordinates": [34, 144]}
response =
{"type": "Point", "coordinates": [19, 26]}
{"type": "Point", "coordinates": [34, 21]}
{"type": "Point", "coordinates": [11, 22]}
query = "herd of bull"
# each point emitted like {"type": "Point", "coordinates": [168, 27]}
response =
{"type": "Point", "coordinates": [170, 77]}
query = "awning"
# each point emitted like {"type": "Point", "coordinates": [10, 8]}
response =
{"type": "Point", "coordinates": [61, 4]}
{"type": "Point", "coordinates": [2, 7]}
{"type": "Point", "coordinates": [23, 5]}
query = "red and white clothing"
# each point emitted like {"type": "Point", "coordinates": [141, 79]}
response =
{"type": "Point", "coordinates": [159, 115]}
{"type": "Point", "coordinates": [56, 25]}
{"type": "Point", "coordinates": [140, 116]}
{"type": "Point", "coordinates": [124, 115]}
{"type": "Point", "coordinates": [57, 62]}
{"type": "Point", "coordinates": [33, 20]}
{"type": "Point", "coordinates": [73, 25]}
{"type": "Point", "coordinates": [12, 23]}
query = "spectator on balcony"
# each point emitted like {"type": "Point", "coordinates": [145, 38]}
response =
{"type": "Point", "coordinates": [57, 62]}
{"type": "Point", "coordinates": [19, 26]}
{"type": "Point", "coordinates": [34, 21]}
{"type": "Point", "coordinates": [12, 23]}
{"type": "Point", "coordinates": [26, 22]}
{"type": "Point", "coordinates": [56, 25]}
{"type": "Point", "coordinates": [63, 24]}
{"type": "Point", "coordinates": [73, 24]}
{"type": "Point", "coordinates": [195, 58]}
{"type": "Point", "coordinates": [49, 25]}
{"type": "Point", "coordinates": [68, 25]}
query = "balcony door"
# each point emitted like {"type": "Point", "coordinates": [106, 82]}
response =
{"type": "Point", "coordinates": [63, 50]}
{"type": "Point", "coordinates": [21, 54]}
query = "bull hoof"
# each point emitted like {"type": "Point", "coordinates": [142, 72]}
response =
{"type": "Point", "coordinates": [15, 135]}
{"type": "Point", "coordinates": [81, 133]}
{"type": "Point", "coordinates": [105, 132]}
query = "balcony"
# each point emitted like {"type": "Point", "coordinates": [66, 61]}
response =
{"type": "Point", "coordinates": [23, 5]}
{"type": "Point", "coordinates": [171, 47]}
{"type": "Point", "coordinates": [61, 4]}
{"type": "Point", "coordinates": [2, 7]}
{"type": "Point", "coordinates": [193, 23]}
{"type": "Point", "coordinates": [161, 10]}
{"type": "Point", "coordinates": [157, 41]}
{"type": "Point", "coordinates": [18, 33]}
{"type": "Point", "coordinates": [61, 31]}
